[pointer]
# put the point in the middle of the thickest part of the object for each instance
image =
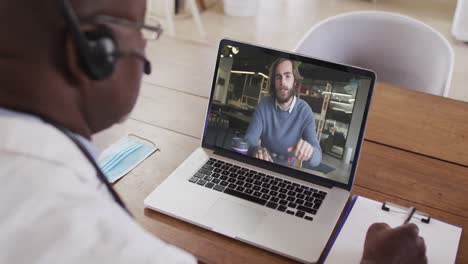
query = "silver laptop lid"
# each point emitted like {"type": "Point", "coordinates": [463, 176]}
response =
{"type": "Point", "coordinates": [285, 112]}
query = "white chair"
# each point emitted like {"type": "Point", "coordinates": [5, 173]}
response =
{"type": "Point", "coordinates": [401, 50]}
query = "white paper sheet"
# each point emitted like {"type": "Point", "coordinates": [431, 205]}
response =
{"type": "Point", "coordinates": [441, 239]}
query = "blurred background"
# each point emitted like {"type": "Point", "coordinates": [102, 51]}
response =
{"type": "Point", "coordinates": [185, 56]}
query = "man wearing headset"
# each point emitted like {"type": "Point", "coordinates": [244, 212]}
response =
{"type": "Point", "coordinates": [69, 69]}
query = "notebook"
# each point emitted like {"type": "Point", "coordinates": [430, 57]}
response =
{"type": "Point", "coordinates": [441, 239]}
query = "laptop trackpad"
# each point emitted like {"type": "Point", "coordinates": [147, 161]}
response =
{"type": "Point", "coordinates": [233, 218]}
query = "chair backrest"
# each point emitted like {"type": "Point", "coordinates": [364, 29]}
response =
{"type": "Point", "coordinates": [401, 50]}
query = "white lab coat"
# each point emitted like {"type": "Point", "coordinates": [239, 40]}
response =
{"type": "Point", "coordinates": [53, 209]}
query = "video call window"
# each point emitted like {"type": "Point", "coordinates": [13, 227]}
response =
{"type": "Point", "coordinates": [292, 113]}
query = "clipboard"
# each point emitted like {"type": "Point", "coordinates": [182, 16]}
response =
{"type": "Point", "coordinates": [442, 239]}
{"type": "Point", "coordinates": [398, 209]}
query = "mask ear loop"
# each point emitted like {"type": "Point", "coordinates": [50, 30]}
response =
{"type": "Point", "coordinates": [144, 139]}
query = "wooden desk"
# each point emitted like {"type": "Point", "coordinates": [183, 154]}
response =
{"type": "Point", "coordinates": [422, 123]}
{"type": "Point", "coordinates": [415, 153]}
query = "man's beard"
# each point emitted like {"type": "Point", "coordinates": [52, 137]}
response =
{"type": "Point", "coordinates": [291, 93]}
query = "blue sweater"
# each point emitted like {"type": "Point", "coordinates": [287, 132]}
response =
{"type": "Point", "coordinates": [278, 130]}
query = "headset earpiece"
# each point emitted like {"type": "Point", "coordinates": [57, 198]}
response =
{"type": "Point", "coordinates": [100, 55]}
{"type": "Point", "coordinates": [95, 48]}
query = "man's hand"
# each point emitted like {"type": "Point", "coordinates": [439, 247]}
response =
{"type": "Point", "coordinates": [263, 155]}
{"type": "Point", "coordinates": [302, 150]}
{"type": "Point", "coordinates": [394, 245]}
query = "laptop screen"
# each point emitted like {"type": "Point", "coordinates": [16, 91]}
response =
{"type": "Point", "coordinates": [288, 110]}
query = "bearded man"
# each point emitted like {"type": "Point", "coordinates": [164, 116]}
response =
{"type": "Point", "coordinates": [282, 129]}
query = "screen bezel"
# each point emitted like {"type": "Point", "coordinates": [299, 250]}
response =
{"type": "Point", "coordinates": [309, 177]}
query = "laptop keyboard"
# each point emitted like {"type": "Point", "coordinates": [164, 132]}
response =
{"type": "Point", "coordinates": [272, 192]}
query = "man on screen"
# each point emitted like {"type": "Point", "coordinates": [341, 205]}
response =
{"type": "Point", "coordinates": [282, 129]}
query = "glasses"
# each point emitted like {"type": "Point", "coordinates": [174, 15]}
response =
{"type": "Point", "coordinates": [150, 29]}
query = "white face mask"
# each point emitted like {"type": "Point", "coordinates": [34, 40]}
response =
{"type": "Point", "coordinates": [123, 156]}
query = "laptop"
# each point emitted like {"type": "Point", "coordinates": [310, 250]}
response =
{"type": "Point", "coordinates": [279, 152]}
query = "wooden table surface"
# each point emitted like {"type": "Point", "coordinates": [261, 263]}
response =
{"type": "Point", "coordinates": [415, 153]}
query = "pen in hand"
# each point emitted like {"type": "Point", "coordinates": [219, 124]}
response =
{"type": "Point", "coordinates": [411, 212]}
